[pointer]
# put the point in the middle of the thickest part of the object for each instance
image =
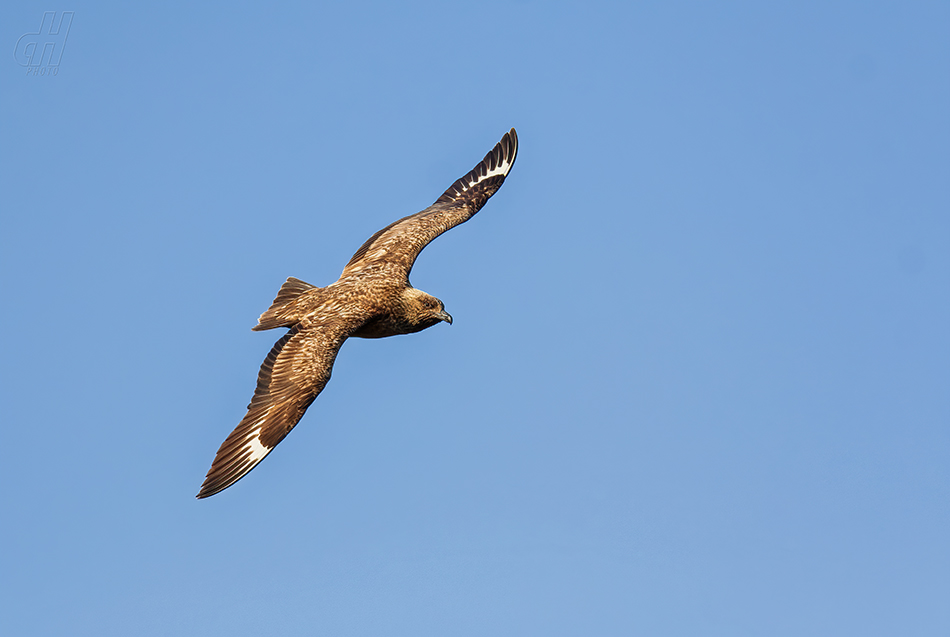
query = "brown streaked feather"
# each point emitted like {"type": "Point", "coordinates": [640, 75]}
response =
{"type": "Point", "coordinates": [295, 371]}
{"type": "Point", "coordinates": [399, 243]}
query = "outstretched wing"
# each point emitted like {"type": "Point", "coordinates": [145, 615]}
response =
{"type": "Point", "coordinates": [399, 243]}
{"type": "Point", "coordinates": [293, 374]}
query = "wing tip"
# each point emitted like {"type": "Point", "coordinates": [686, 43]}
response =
{"type": "Point", "coordinates": [238, 455]}
{"type": "Point", "coordinates": [218, 480]}
{"type": "Point", "coordinates": [488, 176]}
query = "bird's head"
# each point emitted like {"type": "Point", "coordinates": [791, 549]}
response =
{"type": "Point", "coordinates": [424, 310]}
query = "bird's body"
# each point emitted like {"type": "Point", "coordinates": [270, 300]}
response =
{"type": "Point", "coordinates": [372, 299]}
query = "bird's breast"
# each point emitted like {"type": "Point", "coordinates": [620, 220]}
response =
{"type": "Point", "coordinates": [382, 326]}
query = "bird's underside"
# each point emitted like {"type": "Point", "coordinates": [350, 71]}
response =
{"type": "Point", "coordinates": [371, 299]}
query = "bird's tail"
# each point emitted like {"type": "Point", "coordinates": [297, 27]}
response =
{"type": "Point", "coordinates": [285, 311]}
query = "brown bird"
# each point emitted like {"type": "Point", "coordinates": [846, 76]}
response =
{"type": "Point", "coordinates": [372, 299]}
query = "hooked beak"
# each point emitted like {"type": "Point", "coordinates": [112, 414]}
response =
{"type": "Point", "coordinates": [444, 316]}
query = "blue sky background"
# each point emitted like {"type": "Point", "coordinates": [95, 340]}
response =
{"type": "Point", "coordinates": [699, 377]}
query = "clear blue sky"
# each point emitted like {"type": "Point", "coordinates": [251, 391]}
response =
{"type": "Point", "coordinates": [699, 377]}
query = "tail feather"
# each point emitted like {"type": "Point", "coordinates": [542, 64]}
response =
{"type": "Point", "coordinates": [284, 311]}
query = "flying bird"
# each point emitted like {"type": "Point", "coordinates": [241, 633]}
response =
{"type": "Point", "coordinates": [372, 299]}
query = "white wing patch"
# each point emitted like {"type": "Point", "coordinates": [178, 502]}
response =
{"type": "Point", "coordinates": [241, 458]}
{"type": "Point", "coordinates": [494, 167]}
{"type": "Point", "coordinates": [501, 169]}
{"type": "Point", "coordinates": [258, 450]}
{"type": "Point", "coordinates": [254, 449]}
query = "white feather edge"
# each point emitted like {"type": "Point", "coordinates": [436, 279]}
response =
{"type": "Point", "coordinates": [501, 169]}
